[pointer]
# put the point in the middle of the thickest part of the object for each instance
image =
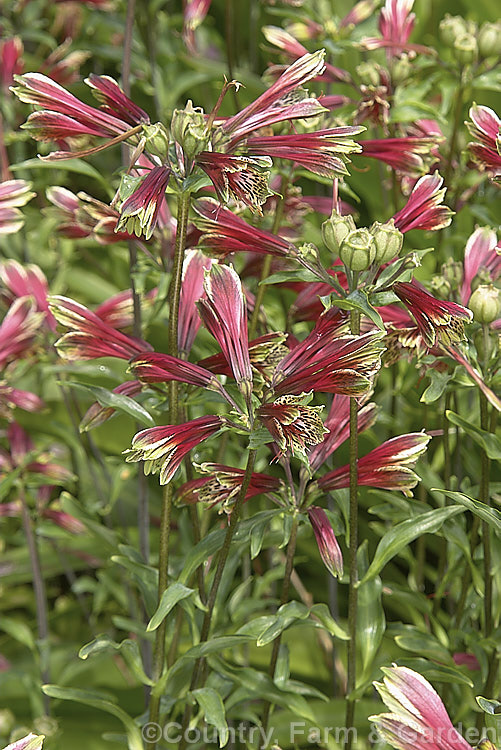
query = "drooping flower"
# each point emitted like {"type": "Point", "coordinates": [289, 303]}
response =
{"type": "Point", "coordinates": [10, 398]}
{"type": "Point", "coordinates": [223, 233]}
{"type": "Point", "coordinates": [395, 25]}
{"type": "Point", "coordinates": [192, 289]}
{"type": "Point", "coordinates": [62, 65]}
{"type": "Point", "coordinates": [286, 42]}
{"type": "Point", "coordinates": [118, 310]}
{"type": "Point", "coordinates": [163, 448]}
{"type": "Point", "coordinates": [323, 152]}
{"type": "Point", "coordinates": [26, 281]}
{"type": "Point", "coordinates": [417, 719]}
{"type": "Point", "coordinates": [328, 546]}
{"type": "Point", "coordinates": [410, 155]}
{"type": "Point", "coordinates": [11, 63]}
{"type": "Point", "coordinates": [485, 129]}
{"type": "Point", "coordinates": [424, 208]}
{"type": "Point", "coordinates": [193, 15]}
{"type": "Point", "coordinates": [83, 216]}
{"type": "Point", "coordinates": [139, 213]}
{"type": "Point", "coordinates": [243, 178]}
{"type": "Point", "coordinates": [223, 313]}
{"type": "Point", "coordinates": [89, 336]}
{"type": "Point", "coordinates": [389, 466]}
{"type": "Point", "coordinates": [265, 353]}
{"type": "Point", "coordinates": [13, 194]}
{"type": "Point", "coordinates": [18, 330]}
{"type": "Point", "coordinates": [482, 254]}
{"type": "Point", "coordinates": [155, 367]}
{"type": "Point", "coordinates": [293, 425]}
{"type": "Point", "coordinates": [437, 320]}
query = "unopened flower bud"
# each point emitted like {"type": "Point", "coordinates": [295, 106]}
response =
{"type": "Point", "coordinates": [466, 49]}
{"type": "Point", "coordinates": [335, 229]}
{"type": "Point", "coordinates": [358, 250]}
{"type": "Point", "coordinates": [452, 27]}
{"type": "Point", "coordinates": [489, 39]}
{"type": "Point", "coordinates": [326, 540]}
{"type": "Point", "coordinates": [7, 721]}
{"type": "Point", "coordinates": [452, 271]}
{"type": "Point", "coordinates": [485, 303]}
{"type": "Point", "coordinates": [157, 140]}
{"type": "Point", "coordinates": [388, 239]}
{"type": "Point", "coordinates": [401, 69]}
{"type": "Point", "coordinates": [440, 287]}
{"type": "Point", "coordinates": [369, 73]}
{"type": "Point", "coordinates": [188, 128]}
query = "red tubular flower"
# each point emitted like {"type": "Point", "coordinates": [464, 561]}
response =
{"type": "Point", "coordinates": [154, 367]}
{"type": "Point", "coordinates": [328, 546]}
{"type": "Point", "coordinates": [90, 337]}
{"type": "Point", "coordinates": [480, 255]}
{"type": "Point", "coordinates": [418, 719]}
{"type": "Point", "coordinates": [118, 310]}
{"type": "Point", "coordinates": [485, 129]}
{"type": "Point", "coordinates": [113, 100]}
{"type": "Point", "coordinates": [18, 330]}
{"type": "Point", "coordinates": [13, 193]}
{"type": "Point", "coordinates": [424, 209]}
{"type": "Point", "coordinates": [243, 178]}
{"type": "Point", "coordinates": [223, 484]}
{"type": "Point", "coordinates": [193, 15]}
{"type": "Point", "coordinates": [338, 425]}
{"type": "Point", "coordinates": [292, 424]}
{"type": "Point", "coordinates": [139, 213]}
{"type": "Point", "coordinates": [360, 12]}
{"type": "Point", "coordinates": [438, 321]}
{"type": "Point", "coordinates": [163, 448]}
{"type": "Point", "coordinates": [223, 233]}
{"type": "Point", "coordinates": [405, 155]}
{"type": "Point", "coordinates": [97, 414]}
{"type": "Point", "coordinates": [11, 63]}
{"type": "Point", "coordinates": [82, 216]}
{"type": "Point", "coordinates": [223, 313]}
{"type": "Point", "coordinates": [26, 281]}
{"type": "Point", "coordinates": [265, 353]}
{"type": "Point", "coordinates": [12, 397]}
{"type": "Point", "coordinates": [396, 22]}
{"type": "Point", "coordinates": [294, 49]}
{"type": "Point", "coordinates": [389, 466]}
{"type": "Point", "coordinates": [192, 289]}
{"type": "Point", "coordinates": [324, 152]}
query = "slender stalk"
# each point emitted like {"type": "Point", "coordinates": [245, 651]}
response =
{"type": "Point", "coordinates": [284, 598]}
{"type": "Point", "coordinates": [230, 30]}
{"type": "Point", "coordinates": [353, 522]}
{"type": "Point", "coordinates": [198, 669]}
{"type": "Point", "coordinates": [484, 497]}
{"type": "Point", "coordinates": [40, 596]}
{"type": "Point", "coordinates": [442, 562]}
{"type": "Point", "coordinates": [183, 206]}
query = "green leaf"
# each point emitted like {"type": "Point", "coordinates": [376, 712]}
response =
{"type": "Point", "coordinates": [321, 613]}
{"type": "Point", "coordinates": [425, 644]}
{"type": "Point", "coordinates": [18, 630]}
{"type": "Point", "coordinates": [117, 401]}
{"type": "Point", "coordinates": [371, 622]}
{"type": "Point", "coordinates": [301, 274]}
{"type": "Point", "coordinates": [358, 300]}
{"type": "Point", "coordinates": [492, 710]}
{"type": "Point", "coordinates": [212, 706]}
{"type": "Point", "coordinates": [285, 616]}
{"type": "Point", "coordinates": [487, 514]}
{"type": "Point", "coordinates": [487, 440]}
{"type": "Point", "coordinates": [128, 648]}
{"type": "Point", "coordinates": [403, 534]}
{"type": "Point", "coordinates": [490, 706]}
{"type": "Point", "coordinates": [69, 165]}
{"type": "Point", "coordinates": [170, 598]}
{"type": "Point", "coordinates": [102, 702]}
{"type": "Point", "coordinates": [438, 384]}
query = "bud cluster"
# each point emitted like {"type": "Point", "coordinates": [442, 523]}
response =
{"type": "Point", "coordinates": [360, 248]}
{"type": "Point", "coordinates": [469, 42]}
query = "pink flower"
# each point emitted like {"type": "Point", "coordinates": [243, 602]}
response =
{"type": "Point", "coordinates": [223, 313]}
{"type": "Point", "coordinates": [139, 213]}
{"type": "Point", "coordinates": [438, 321]}
{"type": "Point", "coordinates": [360, 12]}
{"type": "Point", "coordinates": [118, 310]}
{"type": "Point", "coordinates": [10, 398]}
{"type": "Point", "coordinates": [193, 15]}
{"type": "Point", "coordinates": [192, 289]}
{"type": "Point", "coordinates": [154, 367]}
{"type": "Point", "coordinates": [462, 658]}
{"type": "Point", "coordinates": [402, 154]}
{"type": "Point", "coordinates": [11, 63]}
{"type": "Point", "coordinates": [324, 152]}
{"type": "Point", "coordinates": [481, 254]}
{"type": "Point", "coordinates": [83, 216]}
{"type": "Point", "coordinates": [485, 129]}
{"type": "Point", "coordinates": [387, 467]}
{"type": "Point", "coordinates": [294, 49]}
{"type": "Point", "coordinates": [424, 209]}
{"type": "Point", "coordinates": [13, 193]}
{"type": "Point", "coordinates": [89, 336]}
{"type": "Point", "coordinates": [223, 233]}
{"type": "Point", "coordinates": [417, 719]}
{"type": "Point", "coordinates": [26, 281]}
{"type": "Point", "coordinates": [222, 485]}
{"type": "Point", "coordinates": [30, 742]}
{"type": "Point", "coordinates": [21, 454]}
{"type": "Point", "coordinates": [293, 425]}
{"type": "Point", "coordinates": [396, 22]}
{"type": "Point", "coordinates": [97, 414]}
{"type": "Point", "coordinates": [243, 178]}
{"type": "Point", "coordinates": [328, 546]}
{"type": "Point", "coordinates": [264, 353]}
{"type": "Point", "coordinates": [62, 67]}
{"type": "Point", "coordinates": [18, 330]}
{"type": "Point", "coordinates": [163, 448]}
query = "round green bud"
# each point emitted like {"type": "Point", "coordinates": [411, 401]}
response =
{"type": "Point", "coordinates": [188, 128]}
{"type": "Point", "coordinates": [358, 250]}
{"type": "Point", "coordinates": [7, 721]}
{"type": "Point", "coordinates": [369, 73]}
{"type": "Point", "coordinates": [452, 271]}
{"type": "Point", "coordinates": [401, 69]}
{"type": "Point", "coordinates": [335, 229]}
{"type": "Point", "coordinates": [440, 287]}
{"type": "Point", "coordinates": [466, 48]}
{"type": "Point", "coordinates": [489, 39]}
{"type": "Point", "coordinates": [388, 240]}
{"type": "Point", "coordinates": [451, 27]}
{"type": "Point", "coordinates": [157, 140]}
{"type": "Point", "coordinates": [485, 303]}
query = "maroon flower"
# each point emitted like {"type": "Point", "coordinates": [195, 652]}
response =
{"type": "Point", "coordinates": [83, 216]}
{"type": "Point", "coordinates": [26, 281]}
{"type": "Point", "coordinates": [18, 330]}
{"type": "Point", "coordinates": [485, 129]}
{"type": "Point", "coordinates": [118, 310]}
{"type": "Point", "coordinates": [163, 448]}
{"type": "Point", "coordinates": [192, 289]}
{"type": "Point", "coordinates": [265, 353]}
{"type": "Point", "coordinates": [243, 178]}
{"type": "Point", "coordinates": [193, 15]}
{"type": "Point", "coordinates": [424, 209]}
{"type": "Point", "coordinates": [293, 425]}
{"type": "Point", "coordinates": [11, 63]}
{"type": "Point", "coordinates": [482, 254]}
{"type": "Point", "coordinates": [139, 213]}
{"type": "Point", "coordinates": [10, 398]}
{"type": "Point", "coordinates": [13, 193]}
{"type": "Point", "coordinates": [406, 155]}
{"type": "Point", "coordinates": [328, 546]}
{"type": "Point", "coordinates": [389, 466]}
{"type": "Point", "coordinates": [154, 367]}
{"type": "Point", "coordinates": [438, 321]}
{"type": "Point", "coordinates": [294, 49]}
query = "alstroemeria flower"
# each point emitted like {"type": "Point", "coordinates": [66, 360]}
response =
{"type": "Point", "coordinates": [438, 321]}
{"type": "Point", "coordinates": [293, 425]}
{"type": "Point", "coordinates": [409, 155]}
{"type": "Point", "coordinates": [97, 414]}
{"type": "Point", "coordinates": [89, 336]}
{"type": "Point", "coordinates": [18, 330]}
{"type": "Point", "coordinates": [163, 448]}
{"type": "Point", "coordinates": [424, 208]}
{"type": "Point", "coordinates": [13, 194]}
{"type": "Point", "coordinates": [243, 178]}
{"type": "Point", "coordinates": [193, 15]}
{"type": "Point", "coordinates": [222, 484]}
{"type": "Point", "coordinates": [417, 719]}
{"type": "Point", "coordinates": [223, 313]}
{"type": "Point", "coordinates": [118, 310]}
{"type": "Point", "coordinates": [155, 367]}
{"type": "Point", "coordinates": [265, 353]}
{"type": "Point", "coordinates": [389, 466]}
{"type": "Point", "coordinates": [10, 398]}
{"type": "Point", "coordinates": [328, 546]}
{"type": "Point", "coordinates": [482, 254]}
{"type": "Point", "coordinates": [485, 129]}
{"type": "Point", "coordinates": [139, 213]}
{"type": "Point", "coordinates": [11, 63]}
{"type": "Point", "coordinates": [223, 233]}
{"type": "Point", "coordinates": [192, 289]}
{"type": "Point", "coordinates": [22, 453]}
{"type": "Point", "coordinates": [30, 742]}
{"type": "Point", "coordinates": [83, 216]}
{"type": "Point", "coordinates": [26, 281]}
{"type": "Point", "coordinates": [323, 152]}
{"type": "Point", "coordinates": [294, 49]}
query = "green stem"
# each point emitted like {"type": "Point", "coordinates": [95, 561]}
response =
{"type": "Point", "coordinates": [458, 111]}
{"type": "Point", "coordinates": [484, 497]}
{"type": "Point", "coordinates": [442, 562]}
{"type": "Point", "coordinates": [353, 522]}
{"type": "Point", "coordinates": [223, 556]}
{"type": "Point", "coordinates": [284, 598]}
